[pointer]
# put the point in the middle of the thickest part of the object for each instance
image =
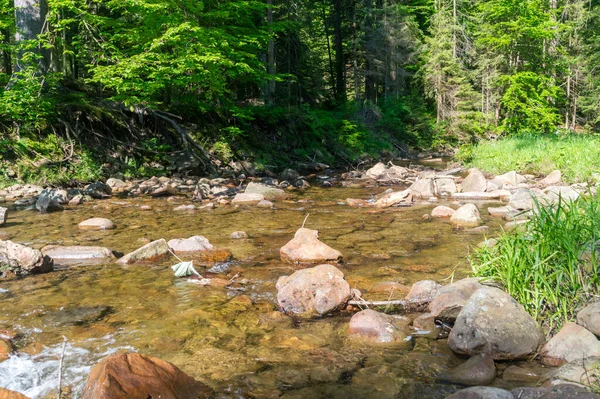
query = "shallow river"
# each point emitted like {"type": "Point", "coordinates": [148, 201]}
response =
{"type": "Point", "coordinates": [234, 340]}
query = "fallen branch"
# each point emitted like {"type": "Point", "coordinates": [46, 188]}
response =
{"type": "Point", "coordinates": [402, 303]}
{"type": "Point", "coordinates": [395, 302]}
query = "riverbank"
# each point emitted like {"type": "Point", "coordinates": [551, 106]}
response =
{"type": "Point", "coordinates": [576, 156]}
{"type": "Point", "coordinates": [385, 222]}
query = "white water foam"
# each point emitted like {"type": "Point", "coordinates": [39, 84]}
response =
{"type": "Point", "coordinates": [35, 376]}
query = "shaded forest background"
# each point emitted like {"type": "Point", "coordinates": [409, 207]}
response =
{"type": "Point", "coordinates": [93, 87]}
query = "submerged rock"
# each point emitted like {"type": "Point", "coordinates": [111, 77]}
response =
{"type": "Point", "coordinates": [97, 224]}
{"type": "Point", "coordinates": [493, 322]}
{"type": "Point", "coordinates": [154, 250]}
{"type": "Point", "coordinates": [247, 199]}
{"type": "Point", "coordinates": [405, 197]}
{"type": "Point", "coordinates": [572, 342]}
{"type": "Point", "coordinates": [379, 327]}
{"type": "Point", "coordinates": [76, 316]}
{"type": "Point", "coordinates": [269, 193]}
{"type": "Point", "coordinates": [131, 375]}
{"type": "Point", "coordinates": [499, 195]}
{"type": "Point", "coordinates": [313, 292]}
{"type": "Point", "coordinates": [442, 211]}
{"type": "Point", "coordinates": [79, 253]}
{"type": "Point", "coordinates": [478, 370]}
{"type": "Point", "coordinates": [238, 235]}
{"type": "Point", "coordinates": [306, 247]}
{"type": "Point", "coordinates": [482, 393]}
{"type": "Point", "coordinates": [20, 260]}
{"type": "Point", "coordinates": [519, 374]}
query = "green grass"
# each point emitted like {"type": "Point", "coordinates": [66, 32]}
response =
{"type": "Point", "coordinates": [576, 156]}
{"type": "Point", "coordinates": [551, 266]}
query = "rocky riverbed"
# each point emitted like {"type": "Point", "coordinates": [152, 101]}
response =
{"type": "Point", "coordinates": [230, 333]}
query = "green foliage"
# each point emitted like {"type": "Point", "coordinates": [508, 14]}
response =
{"type": "Point", "coordinates": [551, 266]}
{"type": "Point", "coordinates": [576, 156]}
{"type": "Point", "coordinates": [530, 103]}
{"type": "Point", "coordinates": [30, 101]}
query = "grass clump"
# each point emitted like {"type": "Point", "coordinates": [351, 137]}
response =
{"type": "Point", "coordinates": [576, 156]}
{"type": "Point", "coordinates": [551, 265]}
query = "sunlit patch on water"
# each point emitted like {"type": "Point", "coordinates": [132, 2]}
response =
{"type": "Point", "coordinates": [36, 376]}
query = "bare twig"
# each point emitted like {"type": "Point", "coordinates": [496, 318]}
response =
{"type": "Point", "coordinates": [307, 215]}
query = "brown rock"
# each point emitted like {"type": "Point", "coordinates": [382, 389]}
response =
{"type": "Point", "coordinates": [192, 244]}
{"type": "Point", "coordinates": [214, 256]}
{"type": "Point", "coordinates": [475, 181]}
{"type": "Point", "coordinates": [554, 178]}
{"type": "Point", "coordinates": [423, 291]}
{"type": "Point", "coordinates": [405, 197]}
{"type": "Point", "coordinates": [22, 260]}
{"type": "Point", "coordinates": [379, 327]}
{"type": "Point", "coordinates": [423, 188]}
{"type": "Point", "coordinates": [467, 216]}
{"type": "Point", "coordinates": [6, 349]}
{"type": "Point", "coordinates": [77, 253]}
{"type": "Point", "coordinates": [313, 292]}
{"type": "Point", "coordinates": [390, 286]}
{"type": "Point", "coordinates": [481, 393]}
{"type": "Point", "coordinates": [149, 252]}
{"type": "Point", "coordinates": [519, 374]}
{"type": "Point", "coordinates": [451, 298]}
{"type": "Point", "coordinates": [97, 224]}
{"type": "Point", "coordinates": [357, 203]}
{"type": "Point", "coordinates": [238, 235]}
{"type": "Point", "coordinates": [589, 317]}
{"type": "Point", "coordinates": [493, 322]}
{"type": "Point", "coordinates": [572, 342]}
{"type": "Point", "coordinates": [561, 391]}
{"type": "Point", "coordinates": [442, 212]}
{"type": "Point", "coordinates": [306, 247]}
{"type": "Point", "coordinates": [247, 199]}
{"type": "Point", "coordinates": [7, 394]}
{"type": "Point", "coordinates": [268, 192]}
{"type": "Point", "coordinates": [135, 376]}
{"type": "Point", "coordinates": [478, 370]}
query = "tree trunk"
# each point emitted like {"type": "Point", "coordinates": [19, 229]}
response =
{"type": "Point", "coordinates": [331, 72]}
{"type": "Point", "coordinates": [270, 55]}
{"type": "Point", "coordinates": [340, 81]}
{"type": "Point", "coordinates": [30, 18]}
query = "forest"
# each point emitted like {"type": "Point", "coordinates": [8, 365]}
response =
{"type": "Point", "coordinates": [322, 81]}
